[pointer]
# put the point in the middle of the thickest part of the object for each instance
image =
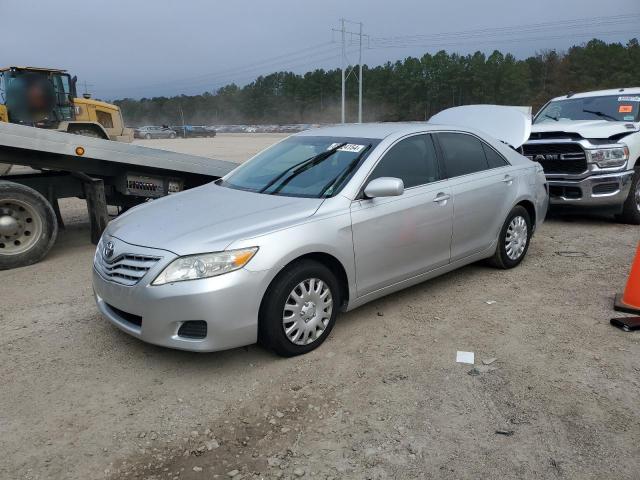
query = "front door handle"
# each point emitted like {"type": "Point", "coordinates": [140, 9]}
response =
{"type": "Point", "coordinates": [441, 197]}
{"type": "Point", "coordinates": [508, 179]}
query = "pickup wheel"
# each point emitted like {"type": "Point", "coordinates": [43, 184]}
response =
{"type": "Point", "coordinates": [28, 226]}
{"type": "Point", "coordinates": [631, 208]}
{"type": "Point", "coordinates": [299, 309]}
{"type": "Point", "coordinates": [513, 242]}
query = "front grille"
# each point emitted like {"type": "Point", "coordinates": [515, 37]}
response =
{"type": "Point", "coordinates": [567, 158]}
{"type": "Point", "coordinates": [126, 269]}
{"type": "Point", "coordinates": [604, 188]}
{"type": "Point", "coordinates": [129, 317]}
{"type": "Point", "coordinates": [193, 329]}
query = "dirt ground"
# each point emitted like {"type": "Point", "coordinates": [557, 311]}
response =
{"type": "Point", "coordinates": [383, 398]}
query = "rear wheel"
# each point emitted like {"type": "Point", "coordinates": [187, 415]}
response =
{"type": "Point", "coordinates": [513, 242]}
{"type": "Point", "coordinates": [299, 309]}
{"type": "Point", "coordinates": [28, 226]}
{"type": "Point", "coordinates": [631, 209]}
{"type": "Point", "coordinates": [86, 132]}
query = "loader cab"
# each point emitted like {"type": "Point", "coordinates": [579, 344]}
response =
{"type": "Point", "coordinates": [37, 96]}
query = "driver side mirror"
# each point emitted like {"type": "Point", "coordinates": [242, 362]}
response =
{"type": "Point", "coordinates": [384, 187]}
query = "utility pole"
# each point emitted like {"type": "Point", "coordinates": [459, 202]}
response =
{"type": "Point", "coordinates": [344, 74]}
{"type": "Point", "coordinates": [344, 61]}
{"type": "Point", "coordinates": [360, 77]}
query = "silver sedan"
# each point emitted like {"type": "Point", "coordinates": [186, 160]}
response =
{"type": "Point", "coordinates": [322, 222]}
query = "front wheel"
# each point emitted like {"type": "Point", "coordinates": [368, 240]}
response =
{"type": "Point", "coordinates": [299, 309]}
{"type": "Point", "coordinates": [513, 242]}
{"type": "Point", "coordinates": [172, 135]}
{"type": "Point", "coordinates": [631, 209]}
{"type": "Point", "coordinates": [28, 226]}
{"type": "Point", "coordinates": [147, 136]}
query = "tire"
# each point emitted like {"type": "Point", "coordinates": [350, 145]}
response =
{"type": "Point", "coordinates": [316, 327]}
{"type": "Point", "coordinates": [86, 132]}
{"type": "Point", "coordinates": [147, 136]}
{"type": "Point", "coordinates": [631, 208]}
{"type": "Point", "coordinates": [509, 258]}
{"type": "Point", "coordinates": [172, 135]}
{"type": "Point", "coordinates": [28, 226]}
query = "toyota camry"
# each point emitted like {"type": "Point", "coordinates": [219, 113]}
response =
{"type": "Point", "coordinates": [320, 223]}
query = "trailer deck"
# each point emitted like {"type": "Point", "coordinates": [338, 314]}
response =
{"type": "Point", "coordinates": [103, 172]}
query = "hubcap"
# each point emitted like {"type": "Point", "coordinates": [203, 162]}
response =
{"type": "Point", "coordinates": [516, 239]}
{"type": "Point", "coordinates": [307, 311]}
{"type": "Point", "coordinates": [20, 227]}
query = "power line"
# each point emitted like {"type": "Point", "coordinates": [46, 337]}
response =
{"type": "Point", "coordinates": [294, 55]}
{"type": "Point", "coordinates": [590, 34]}
{"type": "Point", "coordinates": [518, 29]}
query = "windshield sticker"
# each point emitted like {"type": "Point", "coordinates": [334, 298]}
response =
{"type": "Point", "coordinates": [625, 109]}
{"type": "Point", "coordinates": [351, 147]}
{"type": "Point", "coordinates": [629, 118]}
{"type": "Point", "coordinates": [629, 99]}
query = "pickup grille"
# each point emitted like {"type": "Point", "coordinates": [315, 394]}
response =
{"type": "Point", "coordinates": [125, 269]}
{"type": "Point", "coordinates": [567, 158]}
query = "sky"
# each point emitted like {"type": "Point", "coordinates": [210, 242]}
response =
{"type": "Point", "coordinates": [135, 48]}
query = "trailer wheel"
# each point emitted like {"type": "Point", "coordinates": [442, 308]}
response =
{"type": "Point", "coordinates": [28, 226]}
{"type": "Point", "coordinates": [86, 132]}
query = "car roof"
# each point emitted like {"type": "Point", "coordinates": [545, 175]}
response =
{"type": "Point", "coordinates": [376, 130]}
{"type": "Point", "coordinates": [602, 93]}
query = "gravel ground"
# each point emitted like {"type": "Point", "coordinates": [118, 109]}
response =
{"type": "Point", "coordinates": [382, 398]}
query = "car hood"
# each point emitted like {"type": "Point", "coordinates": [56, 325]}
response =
{"type": "Point", "coordinates": [208, 219]}
{"type": "Point", "coordinates": [586, 128]}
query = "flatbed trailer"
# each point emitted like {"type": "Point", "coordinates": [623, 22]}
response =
{"type": "Point", "coordinates": [65, 165]}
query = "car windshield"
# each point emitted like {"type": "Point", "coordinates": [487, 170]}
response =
{"type": "Point", "coordinates": [613, 108]}
{"type": "Point", "coordinates": [303, 166]}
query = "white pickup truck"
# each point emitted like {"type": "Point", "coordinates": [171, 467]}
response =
{"type": "Point", "coordinates": [589, 146]}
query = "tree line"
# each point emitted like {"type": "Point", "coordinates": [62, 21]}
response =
{"type": "Point", "coordinates": [410, 89]}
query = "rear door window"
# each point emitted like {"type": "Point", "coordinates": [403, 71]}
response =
{"type": "Point", "coordinates": [494, 159]}
{"type": "Point", "coordinates": [462, 154]}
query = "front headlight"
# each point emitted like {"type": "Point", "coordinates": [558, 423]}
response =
{"type": "Point", "coordinates": [608, 157]}
{"type": "Point", "coordinates": [205, 265]}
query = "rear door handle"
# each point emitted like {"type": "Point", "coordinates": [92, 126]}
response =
{"type": "Point", "coordinates": [441, 197]}
{"type": "Point", "coordinates": [508, 179]}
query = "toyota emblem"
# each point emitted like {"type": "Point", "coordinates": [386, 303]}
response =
{"type": "Point", "coordinates": [108, 250]}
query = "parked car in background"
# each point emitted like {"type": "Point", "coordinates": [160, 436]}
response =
{"type": "Point", "coordinates": [193, 131]}
{"type": "Point", "coordinates": [324, 221]}
{"type": "Point", "coordinates": [149, 132]}
{"type": "Point", "coordinates": [589, 146]}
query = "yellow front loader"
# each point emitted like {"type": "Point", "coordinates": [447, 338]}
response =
{"type": "Point", "coordinates": [47, 98]}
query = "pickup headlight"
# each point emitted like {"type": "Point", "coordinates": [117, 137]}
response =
{"type": "Point", "coordinates": [608, 157]}
{"type": "Point", "coordinates": [205, 265]}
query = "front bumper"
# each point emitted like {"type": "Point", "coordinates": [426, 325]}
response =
{"type": "Point", "coordinates": [605, 190]}
{"type": "Point", "coordinates": [228, 304]}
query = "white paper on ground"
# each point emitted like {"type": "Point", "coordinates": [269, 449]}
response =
{"type": "Point", "coordinates": [465, 357]}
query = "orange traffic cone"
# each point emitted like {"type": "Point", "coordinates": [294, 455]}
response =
{"type": "Point", "coordinates": [630, 301]}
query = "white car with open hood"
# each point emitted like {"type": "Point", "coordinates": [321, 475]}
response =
{"type": "Point", "coordinates": [589, 146]}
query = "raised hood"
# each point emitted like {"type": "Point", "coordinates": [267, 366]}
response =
{"type": "Point", "coordinates": [208, 219]}
{"type": "Point", "coordinates": [508, 124]}
{"type": "Point", "coordinates": [586, 128]}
